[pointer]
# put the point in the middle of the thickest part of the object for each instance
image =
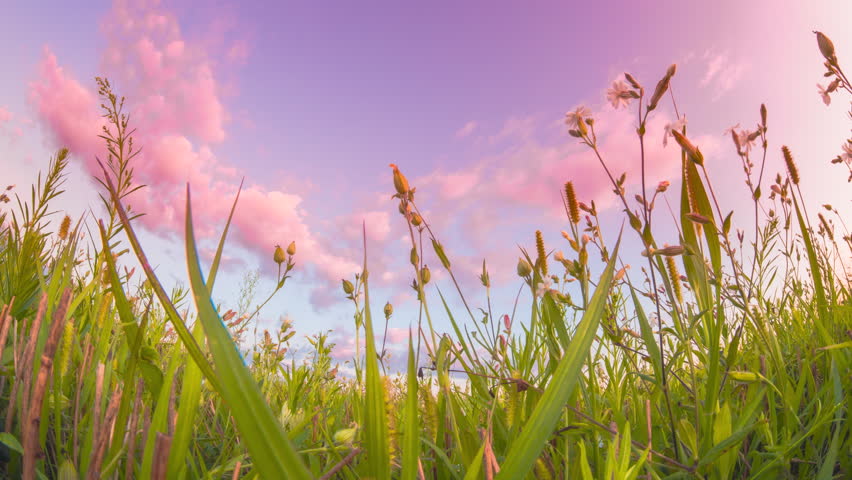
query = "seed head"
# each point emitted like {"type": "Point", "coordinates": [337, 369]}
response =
{"type": "Point", "coordinates": [571, 201]}
{"type": "Point", "coordinates": [541, 261]}
{"type": "Point", "coordinates": [792, 169]}
{"type": "Point", "coordinates": [674, 278]}
{"type": "Point", "coordinates": [63, 228]}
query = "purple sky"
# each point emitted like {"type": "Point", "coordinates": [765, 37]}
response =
{"type": "Point", "coordinates": [311, 102]}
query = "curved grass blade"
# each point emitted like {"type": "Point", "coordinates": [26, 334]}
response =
{"type": "Point", "coordinates": [214, 267]}
{"type": "Point", "coordinates": [271, 451]}
{"type": "Point", "coordinates": [526, 449]}
{"type": "Point", "coordinates": [173, 315]}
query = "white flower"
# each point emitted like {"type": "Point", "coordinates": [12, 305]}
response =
{"type": "Point", "coordinates": [618, 95]}
{"type": "Point", "coordinates": [824, 94]}
{"type": "Point", "coordinates": [676, 125]}
{"type": "Point", "coordinates": [577, 116]}
{"type": "Point", "coordinates": [543, 287]}
{"type": "Point", "coordinates": [742, 138]}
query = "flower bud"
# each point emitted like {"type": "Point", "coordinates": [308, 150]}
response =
{"type": "Point", "coordinates": [691, 150]}
{"type": "Point", "coordinates": [825, 47]}
{"type": "Point", "coordinates": [425, 275]}
{"type": "Point", "coordinates": [524, 268]}
{"type": "Point", "coordinates": [399, 181]}
{"type": "Point", "coordinates": [291, 249]}
{"type": "Point", "coordinates": [670, 251]}
{"type": "Point", "coordinates": [345, 436]}
{"type": "Point", "coordinates": [415, 259]}
{"type": "Point", "coordinates": [698, 218]}
{"type": "Point", "coordinates": [348, 288]}
{"type": "Point", "coordinates": [416, 219]}
{"type": "Point", "coordinates": [388, 310]}
{"type": "Point", "coordinates": [278, 256]}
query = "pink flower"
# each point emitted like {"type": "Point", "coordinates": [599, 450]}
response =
{"type": "Point", "coordinates": [823, 92]}
{"type": "Point", "coordinates": [577, 116]}
{"type": "Point", "coordinates": [619, 95]}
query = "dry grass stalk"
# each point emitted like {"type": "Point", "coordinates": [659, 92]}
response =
{"type": "Point", "coordinates": [162, 446]}
{"type": "Point", "coordinates": [32, 450]}
{"type": "Point", "coordinates": [102, 439]}
{"type": "Point", "coordinates": [22, 366]}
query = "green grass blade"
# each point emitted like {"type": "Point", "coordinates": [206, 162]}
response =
{"type": "Point", "coordinates": [525, 450]}
{"type": "Point", "coordinates": [271, 450]}
{"type": "Point", "coordinates": [214, 267]}
{"type": "Point", "coordinates": [376, 428]}
{"type": "Point", "coordinates": [411, 432]}
{"type": "Point", "coordinates": [190, 395]}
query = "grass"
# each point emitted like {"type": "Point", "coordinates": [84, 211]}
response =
{"type": "Point", "coordinates": [738, 367]}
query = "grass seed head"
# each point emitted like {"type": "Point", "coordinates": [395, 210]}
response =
{"type": "Point", "coordinates": [541, 261]}
{"type": "Point", "coordinates": [792, 169]}
{"type": "Point", "coordinates": [63, 228]}
{"type": "Point", "coordinates": [573, 205]}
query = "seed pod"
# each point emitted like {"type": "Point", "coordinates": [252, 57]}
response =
{"type": "Point", "coordinates": [348, 288]}
{"type": "Point", "coordinates": [425, 275]}
{"type": "Point", "coordinates": [278, 256]}
{"type": "Point", "coordinates": [388, 310]}
{"type": "Point", "coordinates": [416, 219]}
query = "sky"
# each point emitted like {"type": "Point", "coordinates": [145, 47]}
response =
{"type": "Point", "coordinates": [310, 102]}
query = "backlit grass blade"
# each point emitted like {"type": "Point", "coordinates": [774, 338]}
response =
{"type": "Point", "coordinates": [190, 395]}
{"type": "Point", "coordinates": [411, 432]}
{"type": "Point", "coordinates": [214, 267]}
{"type": "Point", "coordinates": [271, 450]}
{"type": "Point", "coordinates": [526, 449]}
{"type": "Point", "coordinates": [173, 315]}
{"type": "Point", "coordinates": [376, 428]}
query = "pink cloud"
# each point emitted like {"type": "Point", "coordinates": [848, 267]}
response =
{"type": "Point", "coordinates": [174, 99]}
{"type": "Point", "coordinates": [5, 116]}
{"type": "Point", "coordinates": [722, 73]}
{"type": "Point", "coordinates": [466, 130]}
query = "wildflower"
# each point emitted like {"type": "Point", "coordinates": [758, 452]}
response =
{"type": "Point", "coordinates": [543, 287]}
{"type": "Point", "coordinates": [847, 151]}
{"type": "Point", "coordinates": [278, 256]}
{"type": "Point", "coordinates": [663, 186]}
{"type": "Point", "coordinates": [507, 322]}
{"type": "Point", "coordinates": [823, 92]}
{"type": "Point", "coordinates": [677, 125]}
{"type": "Point", "coordinates": [619, 95]}
{"type": "Point", "coordinates": [345, 436]}
{"type": "Point", "coordinates": [575, 118]}
{"type": "Point", "coordinates": [559, 256]}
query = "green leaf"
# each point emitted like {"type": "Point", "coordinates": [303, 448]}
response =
{"type": "Point", "coordinates": [411, 431]}
{"type": "Point", "coordinates": [10, 441]}
{"type": "Point", "coordinates": [271, 451]}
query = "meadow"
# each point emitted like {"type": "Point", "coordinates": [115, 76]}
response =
{"type": "Point", "coordinates": [726, 355]}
